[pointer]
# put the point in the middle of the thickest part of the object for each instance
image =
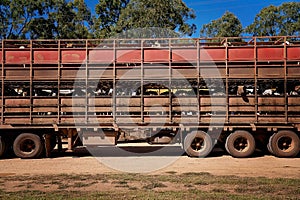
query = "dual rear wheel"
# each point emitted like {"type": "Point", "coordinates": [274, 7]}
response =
{"type": "Point", "coordinates": [241, 143]}
{"type": "Point", "coordinates": [238, 144]}
{"type": "Point", "coordinates": [284, 143]}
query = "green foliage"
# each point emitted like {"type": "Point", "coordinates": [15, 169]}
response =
{"type": "Point", "coordinates": [15, 15]}
{"type": "Point", "coordinates": [281, 20]}
{"type": "Point", "coordinates": [171, 15]}
{"type": "Point", "coordinates": [226, 26]}
{"type": "Point", "coordinates": [44, 19]}
{"type": "Point", "coordinates": [108, 14]}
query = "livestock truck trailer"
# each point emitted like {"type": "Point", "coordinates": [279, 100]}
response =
{"type": "Point", "coordinates": [240, 93]}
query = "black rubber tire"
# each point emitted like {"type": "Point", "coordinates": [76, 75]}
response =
{"type": "Point", "coordinates": [269, 146]}
{"type": "Point", "coordinates": [3, 146]}
{"type": "Point", "coordinates": [240, 144]}
{"type": "Point", "coordinates": [28, 145]}
{"type": "Point", "coordinates": [198, 144]}
{"type": "Point", "coordinates": [285, 143]}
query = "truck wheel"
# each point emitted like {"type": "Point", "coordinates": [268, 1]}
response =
{"type": "Point", "coordinates": [269, 146]}
{"type": "Point", "coordinates": [240, 144]}
{"type": "Point", "coordinates": [285, 143]}
{"type": "Point", "coordinates": [2, 146]}
{"type": "Point", "coordinates": [28, 145]}
{"type": "Point", "coordinates": [198, 144]}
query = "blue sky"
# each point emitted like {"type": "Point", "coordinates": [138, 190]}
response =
{"type": "Point", "coordinates": [208, 10]}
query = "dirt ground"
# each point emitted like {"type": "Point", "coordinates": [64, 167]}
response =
{"type": "Point", "coordinates": [216, 164]}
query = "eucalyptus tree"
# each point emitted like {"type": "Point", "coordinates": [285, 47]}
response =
{"type": "Point", "coordinates": [116, 16]}
{"type": "Point", "coordinates": [277, 20]}
{"type": "Point", "coordinates": [226, 26]}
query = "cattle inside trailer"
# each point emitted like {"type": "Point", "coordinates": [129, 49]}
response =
{"type": "Point", "coordinates": [242, 93]}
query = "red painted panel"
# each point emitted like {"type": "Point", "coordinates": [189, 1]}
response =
{"type": "Point", "coordinates": [293, 53]}
{"type": "Point", "coordinates": [128, 56]}
{"type": "Point", "coordinates": [213, 54]}
{"type": "Point", "coordinates": [73, 56]}
{"type": "Point", "coordinates": [241, 54]}
{"type": "Point", "coordinates": [182, 55]}
{"type": "Point", "coordinates": [17, 57]}
{"type": "Point", "coordinates": [45, 56]}
{"type": "Point", "coordinates": [270, 53]}
{"type": "Point", "coordinates": [101, 56]}
{"type": "Point", "coordinates": [156, 55]}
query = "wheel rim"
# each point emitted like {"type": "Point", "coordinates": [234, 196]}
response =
{"type": "Point", "coordinates": [27, 146]}
{"type": "Point", "coordinates": [197, 144]}
{"type": "Point", "coordinates": [285, 144]}
{"type": "Point", "coordinates": [241, 144]}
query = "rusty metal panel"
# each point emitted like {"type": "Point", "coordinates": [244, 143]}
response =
{"type": "Point", "coordinates": [155, 108]}
{"type": "Point", "coordinates": [270, 72]}
{"type": "Point", "coordinates": [150, 101]}
{"type": "Point", "coordinates": [17, 120]}
{"type": "Point", "coordinates": [17, 57]}
{"type": "Point", "coordinates": [185, 101]}
{"type": "Point", "coordinates": [238, 104]}
{"type": "Point", "coordinates": [242, 119]}
{"type": "Point", "coordinates": [16, 102]}
{"type": "Point", "coordinates": [185, 108]}
{"type": "Point", "coordinates": [293, 53]}
{"type": "Point", "coordinates": [72, 73]}
{"type": "Point", "coordinates": [273, 119]}
{"type": "Point", "coordinates": [293, 100]}
{"type": "Point", "coordinates": [212, 71]}
{"type": "Point", "coordinates": [128, 73]}
{"type": "Point", "coordinates": [295, 108]}
{"type": "Point", "coordinates": [123, 101]}
{"type": "Point", "coordinates": [212, 54]}
{"type": "Point", "coordinates": [126, 119]}
{"type": "Point", "coordinates": [45, 56]}
{"type": "Point", "coordinates": [294, 119]}
{"type": "Point", "coordinates": [157, 119]}
{"type": "Point", "coordinates": [129, 56]}
{"type": "Point", "coordinates": [22, 73]}
{"type": "Point", "coordinates": [73, 101]}
{"type": "Point", "coordinates": [73, 56]}
{"type": "Point", "coordinates": [267, 54]}
{"type": "Point", "coordinates": [45, 120]}
{"type": "Point", "coordinates": [271, 108]}
{"type": "Point", "coordinates": [16, 109]}
{"type": "Point", "coordinates": [71, 120]}
{"type": "Point", "coordinates": [187, 73]}
{"type": "Point", "coordinates": [241, 54]}
{"type": "Point", "coordinates": [101, 56]}
{"type": "Point", "coordinates": [272, 101]}
{"type": "Point", "coordinates": [155, 55]}
{"type": "Point", "coordinates": [45, 102]}
{"type": "Point", "coordinates": [241, 71]}
{"type": "Point", "coordinates": [214, 108]}
{"type": "Point", "coordinates": [185, 119]}
{"type": "Point", "coordinates": [293, 71]}
{"type": "Point", "coordinates": [45, 74]}
{"type": "Point", "coordinates": [184, 55]}
{"type": "Point", "coordinates": [160, 72]}
{"type": "Point", "coordinates": [73, 109]}
{"type": "Point", "coordinates": [100, 73]}
{"type": "Point", "coordinates": [100, 101]}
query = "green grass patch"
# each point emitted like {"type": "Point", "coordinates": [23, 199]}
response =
{"type": "Point", "coordinates": [140, 186]}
